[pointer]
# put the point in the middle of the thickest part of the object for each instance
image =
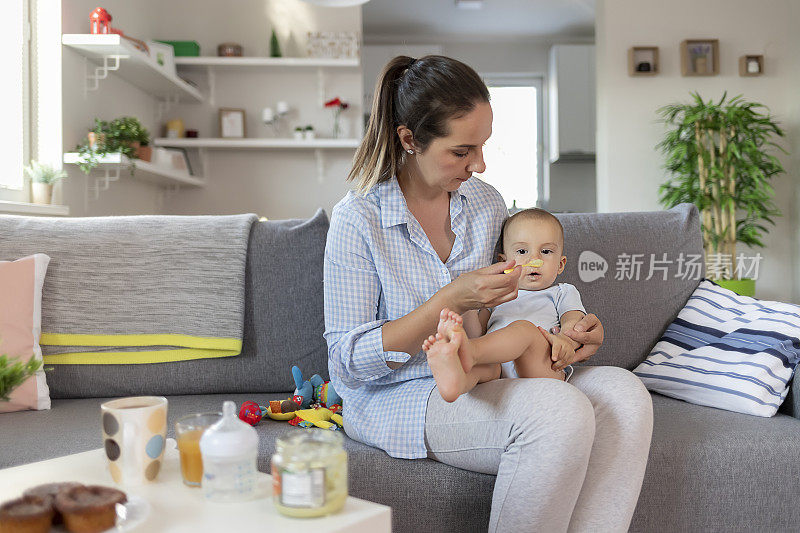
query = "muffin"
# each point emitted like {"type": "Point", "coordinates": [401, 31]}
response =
{"type": "Point", "coordinates": [50, 491]}
{"type": "Point", "coordinates": [89, 509]}
{"type": "Point", "coordinates": [29, 514]}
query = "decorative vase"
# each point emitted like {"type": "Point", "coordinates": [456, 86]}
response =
{"type": "Point", "coordinates": [42, 193]}
{"type": "Point", "coordinates": [309, 135]}
{"type": "Point", "coordinates": [299, 135]}
{"type": "Point", "coordinates": [742, 287]}
{"type": "Point", "coordinates": [700, 65]}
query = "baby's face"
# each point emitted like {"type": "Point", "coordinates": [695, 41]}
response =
{"type": "Point", "coordinates": [526, 240]}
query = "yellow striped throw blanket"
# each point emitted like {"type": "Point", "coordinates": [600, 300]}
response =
{"type": "Point", "coordinates": [142, 289]}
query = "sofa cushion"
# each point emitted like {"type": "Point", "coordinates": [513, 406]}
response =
{"type": "Point", "coordinates": [21, 327]}
{"type": "Point", "coordinates": [634, 312]}
{"type": "Point", "coordinates": [727, 351]}
{"type": "Point", "coordinates": [283, 325]}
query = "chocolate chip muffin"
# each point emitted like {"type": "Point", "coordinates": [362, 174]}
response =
{"type": "Point", "coordinates": [29, 514]}
{"type": "Point", "coordinates": [89, 509]}
{"type": "Point", "coordinates": [50, 491]}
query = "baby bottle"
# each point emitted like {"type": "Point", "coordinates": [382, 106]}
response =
{"type": "Point", "coordinates": [229, 450]}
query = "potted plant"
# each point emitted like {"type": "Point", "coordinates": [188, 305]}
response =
{"type": "Point", "coordinates": [124, 135]}
{"type": "Point", "coordinates": [308, 132]}
{"type": "Point", "coordinates": [719, 156]}
{"type": "Point", "coordinates": [298, 133]}
{"type": "Point", "coordinates": [43, 177]}
{"type": "Point", "coordinates": [12, 375]}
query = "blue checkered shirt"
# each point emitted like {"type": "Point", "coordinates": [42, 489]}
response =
{"type": "Point", "coordinates": [380, 266]}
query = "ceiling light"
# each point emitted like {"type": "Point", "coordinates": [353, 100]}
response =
{"type": "Point", "coordinates": [469, 4]}
{"type": "Point", "coordinates": [337, 3]}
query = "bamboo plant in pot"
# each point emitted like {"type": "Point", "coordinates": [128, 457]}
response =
{"type": "Point", "coordinates": [720, 157]}
{"type": "Point", "coordinates": [43, 177]}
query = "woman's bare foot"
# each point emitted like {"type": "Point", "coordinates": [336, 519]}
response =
{"type": "Point", "coordinates": [443, 352]}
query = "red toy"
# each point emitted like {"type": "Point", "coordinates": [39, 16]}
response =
{"type": "Point", "coordinates": [250, 413]}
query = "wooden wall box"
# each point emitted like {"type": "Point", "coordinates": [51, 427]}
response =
{"type": "Point", "coordinates": [693, 64]}
{"type": "Point", "coordinates": [746, 61]}
{"type": "Point", "coordinates": [643, 54]}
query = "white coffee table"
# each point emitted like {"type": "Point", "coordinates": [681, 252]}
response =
{"type": "Point", "coordinates": [176, 508]}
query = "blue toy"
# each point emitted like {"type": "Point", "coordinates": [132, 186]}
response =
{"type": "Point", "coordinates": [315, 390]}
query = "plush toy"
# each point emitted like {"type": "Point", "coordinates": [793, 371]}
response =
{"type": "Point", "coordinates": [315, 390]}
{"type": "Point", "coordinates": [321, 418]}
{"type": "Point", "coordinates": [251, 413]}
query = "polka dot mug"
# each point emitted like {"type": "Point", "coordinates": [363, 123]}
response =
{"type": "Point", "coordinates": [134, 433]}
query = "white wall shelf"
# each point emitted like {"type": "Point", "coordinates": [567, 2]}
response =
{"type": "Point", "coordinates": [113, 166]}
{"type": "Point", "coordinates": [24, 208]}
{"type": "Point", "coordinates": [264, 62]}
{"type": "Point", "coordinates": [116, 54]}
{"type": "Point", "coordinates": [211, 64]}
{"type": "Point", "coordinates": [318, 145]}
{"type": "Point", "coordinates": [267, 143]}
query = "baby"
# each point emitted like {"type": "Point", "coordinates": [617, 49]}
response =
{"type": "Point", "coordinates": [461, 356]}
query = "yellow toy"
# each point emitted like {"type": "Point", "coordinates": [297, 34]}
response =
{"type": "Point", "coordinates": [319, 417]}
{"type": "Point", "coordinates": [536, 263]}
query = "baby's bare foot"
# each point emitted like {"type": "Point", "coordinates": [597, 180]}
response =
{"type": "Point", "coordinates": [450, 327]}
{"type": "Point", "coordinates": [445, 364]}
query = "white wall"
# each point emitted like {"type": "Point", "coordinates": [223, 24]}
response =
{"type": "Point", "coordinates": [629, 167]}
{"type": "Point", "coordinates": [272, 183]}
{"type": "Point", "coordinates": [572, 184]}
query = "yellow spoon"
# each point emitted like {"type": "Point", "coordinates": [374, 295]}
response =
{"type": "Point", "coordinates": [535, 264]}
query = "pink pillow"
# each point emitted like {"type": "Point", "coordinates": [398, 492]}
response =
{"type": "Point", "coordinates": [21, 326]}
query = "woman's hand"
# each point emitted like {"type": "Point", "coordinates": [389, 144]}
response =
{"type": "Point", "coordinates": [589, 332]}
{"type": "Point", "coordinates": [485, 287]}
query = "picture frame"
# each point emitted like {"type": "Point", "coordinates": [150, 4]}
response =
{"type": "Point", "coordinates": [232, 123]}
{"type": "Point", "coordinates": [700, 57]}
{"type": "Point", "coordinates": [643, 61]}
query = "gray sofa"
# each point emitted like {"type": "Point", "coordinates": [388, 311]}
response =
{"type": "Point", "coordinates": [709, 470]}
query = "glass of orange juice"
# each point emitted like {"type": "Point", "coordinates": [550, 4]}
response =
{"type": "Point", "coordinates": [188, 431]}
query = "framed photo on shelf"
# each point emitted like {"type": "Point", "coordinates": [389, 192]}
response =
{"type": "Point", "coordinates": [700, 57]}
{"type": "Point", "coordinates": [231, 123]}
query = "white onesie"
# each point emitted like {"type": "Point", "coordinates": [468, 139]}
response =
{"type": "Point", "coordinates": [544, 308]}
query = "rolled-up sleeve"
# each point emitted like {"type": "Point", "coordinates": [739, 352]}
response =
{"type": "Point", "coordinates": [352, 291]}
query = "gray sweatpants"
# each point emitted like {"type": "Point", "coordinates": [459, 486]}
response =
{"type": "Point", "coordinates": [568, 456]}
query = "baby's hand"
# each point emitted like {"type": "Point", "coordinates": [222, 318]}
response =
{"type": "Point", "coordinates": [562, 352]}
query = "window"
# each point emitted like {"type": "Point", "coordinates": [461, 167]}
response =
{"type": "Point", "coordinates": [15, 133]}
{"type": "Point", "coordinates": [514, 152]}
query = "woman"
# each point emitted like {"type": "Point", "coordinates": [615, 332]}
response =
{"type": "Point", "coordinates": [414, 238]}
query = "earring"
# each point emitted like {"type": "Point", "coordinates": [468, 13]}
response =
{"type": "Point", "coordinates": [410, 151]}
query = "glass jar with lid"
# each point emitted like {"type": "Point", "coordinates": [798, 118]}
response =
{"type": "Point", "coordinates": [309, 473]}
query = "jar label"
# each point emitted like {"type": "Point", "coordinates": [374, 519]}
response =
{"type": "Point", "coordinates": [303, 489]}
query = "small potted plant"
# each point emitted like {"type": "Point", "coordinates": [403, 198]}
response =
{"type": "Point", "coordinates": [308, 132]}
{"type": "Point", "coordinates": [298, 133]}
{"type": "Point", "coordinates": [124, 135]}
{"type": "Point", "coordinates": [13, 374]}
{"type": "Point", "coordinates": [43, 177]}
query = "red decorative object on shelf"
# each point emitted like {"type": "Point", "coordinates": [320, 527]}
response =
{"type": "Point", "coordinates": [99, 21]}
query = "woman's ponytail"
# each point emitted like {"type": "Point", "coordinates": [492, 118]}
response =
{"type": "Point", "coordinates": [380, 153]}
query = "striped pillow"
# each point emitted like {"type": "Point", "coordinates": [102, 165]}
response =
{"type": "Point", "coordinates": [726, 351]}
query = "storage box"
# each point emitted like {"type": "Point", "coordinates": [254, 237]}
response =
{"type": "Point", "coordinates": [184, 48]}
